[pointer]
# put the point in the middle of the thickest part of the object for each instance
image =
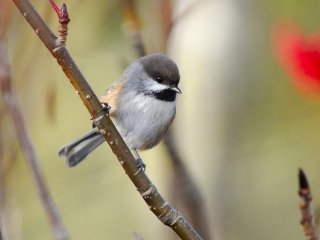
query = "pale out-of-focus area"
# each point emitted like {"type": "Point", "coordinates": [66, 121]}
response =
{"type": "Point", "coordinates": [248, 118]}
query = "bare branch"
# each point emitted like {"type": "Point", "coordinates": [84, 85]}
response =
{"type": "Point", "coordinates": [64, 20]}
{"type": "Point", "coordinates": [157, 204]}
{"type": "Point", "coordinates": [14, 111]}
{"type": "Point", "coordinates": [307, 218]}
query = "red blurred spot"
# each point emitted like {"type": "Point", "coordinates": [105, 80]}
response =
{"type": "Point", "coordinates": [300, 56]}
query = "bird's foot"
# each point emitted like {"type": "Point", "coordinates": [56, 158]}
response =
{"type": "Point", "coordinates": [141, 165]}
{"type": "Point", "coordinates": [105, 107]}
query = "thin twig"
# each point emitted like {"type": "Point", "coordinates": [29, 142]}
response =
{"type": "Point", "coordinates": [64, 20]}
{"type": "Point", "coordinates": [15, 113]}
{"type": "Point", "coordinates": [157, 204]}
{"type": "Point", "coordinates": [307, 218]}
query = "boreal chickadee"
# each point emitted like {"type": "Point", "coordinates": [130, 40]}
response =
{"type": "Point", "coordinates": [143, 105]}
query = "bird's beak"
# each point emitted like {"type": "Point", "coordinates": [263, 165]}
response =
{"type": "Point", "coordinates": [176, 89]}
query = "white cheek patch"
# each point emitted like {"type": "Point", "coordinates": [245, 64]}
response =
{"type": "Point", "coordinates": [152, 85]}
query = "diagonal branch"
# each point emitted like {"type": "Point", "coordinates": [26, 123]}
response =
{"type": "Point", "coordinates": [157, 204]}
{"type": "Point", "coordinates": [307, 218]}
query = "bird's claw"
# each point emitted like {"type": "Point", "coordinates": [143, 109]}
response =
{"type": "Point", "coordinates": [141, 165]}
{"type": "Point", "coordinates": [106, 107]}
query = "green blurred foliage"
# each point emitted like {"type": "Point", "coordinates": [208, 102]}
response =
{"type": "Point", "coordinates": [241, 126]}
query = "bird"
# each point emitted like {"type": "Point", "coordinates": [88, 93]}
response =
{"type": "Point", "coordinates": [143, 106]}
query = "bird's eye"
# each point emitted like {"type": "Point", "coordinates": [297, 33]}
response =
{"type": "Point", "coordinates": [159, 79]}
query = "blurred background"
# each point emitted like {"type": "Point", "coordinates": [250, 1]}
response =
{"type": "Point", "coordinates": [243, 125]}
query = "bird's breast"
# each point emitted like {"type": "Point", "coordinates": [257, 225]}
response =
{"type": "Point", "coordinates": [143, 120]}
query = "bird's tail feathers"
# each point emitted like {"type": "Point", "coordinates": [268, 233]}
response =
{"type": "Point", "coordinates": [78, 149]}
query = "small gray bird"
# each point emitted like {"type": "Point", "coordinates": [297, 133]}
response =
{"type": "Point", "coordinates": [143, 105]}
